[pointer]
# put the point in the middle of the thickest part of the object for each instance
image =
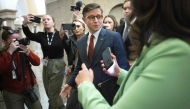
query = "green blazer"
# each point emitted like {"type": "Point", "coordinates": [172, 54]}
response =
{"type": "Point", "coordinates": [159, 79]}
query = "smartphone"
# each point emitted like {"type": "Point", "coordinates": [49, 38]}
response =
{"type": "Point", "coordinates": [36, 19]}
{"type": "Point", "coordinates": [106, 55]}
{"type": "Point", "coordinates": [69, 26]}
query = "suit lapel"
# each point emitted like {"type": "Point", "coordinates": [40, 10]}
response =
{"type": "Point", "coordinates": [82, 49]}
{"type": "Point", "coordinates": [98, 45]}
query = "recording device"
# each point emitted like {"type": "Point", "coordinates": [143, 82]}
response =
{"type": "Point", "coordinates": [69, 26]}
{"type": "Point", "coordinates": [77, 7]}
{"type": "Point", "coordinates": [31, 95]}
{"type": "Point", "coordinates": [106, 55]}
{"type": "Point", "coordinates": [23, 41]}
{"type": "Point", "coordinates": [36, 19]}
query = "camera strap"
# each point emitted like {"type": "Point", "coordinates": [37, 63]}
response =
{"type": "Point", "coordinates": [31, 74]}
{"type": "Point", "coordinates": [23, 61]}
{"type": "Point", "coordinates": [50, 41]}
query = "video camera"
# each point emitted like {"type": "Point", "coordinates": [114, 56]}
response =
{"type": "Point", "coordinates": [77, 7]}
{"type": "Point", "coordinates": [23, 41]}
{"type": "Point", "coordinates": [31, 95]}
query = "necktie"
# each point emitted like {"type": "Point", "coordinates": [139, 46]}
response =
{"type": "Point", "coordinates": [91, 47]}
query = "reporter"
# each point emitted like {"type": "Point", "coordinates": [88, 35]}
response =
{"type": "Point", "coordinates": [72, 62]}
{"type": "Point", "coordinates": [157, 79]}
{"type": "Point", "coordinates": [110, 23]}
{"type": "Point", "coordinates": [16, 73]}
{"type": "Point", "coordinates": [53, 44]}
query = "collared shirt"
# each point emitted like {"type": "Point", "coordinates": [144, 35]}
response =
{"type": "Point", "coordinates": [96, 34]}
{"type": "Point", "coordinates": [125, 27]}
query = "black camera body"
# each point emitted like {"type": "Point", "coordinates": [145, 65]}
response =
{"type": "Point", "coordinates": [23, 41]}
{"type": "Point", "coordinates": [73, 8]}
{"type": "Point", "coordinates": [77, 7]}
{"type": "Point", "coordinates": [31, 95]}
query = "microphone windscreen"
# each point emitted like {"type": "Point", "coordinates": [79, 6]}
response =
{"type": "Point", "coordinates": [79, 4]}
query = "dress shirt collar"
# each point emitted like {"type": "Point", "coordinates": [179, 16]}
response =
{"type": "Point", "coordinates": [96, 34]}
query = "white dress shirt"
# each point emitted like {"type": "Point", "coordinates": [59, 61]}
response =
{"type": "Point", "coordinates": [96, 34]}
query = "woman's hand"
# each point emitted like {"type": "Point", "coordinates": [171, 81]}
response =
{"type": "Point", "coordinates": [62, 31]}
{"type": "Point", "coordinates": [107, 26]}
{"type": "Point", "coordinates": [27, 19]}
{"type": "Point", "coordinates": [13, 46]}
{"type": "Point", "coordinates": [75, 14]}
{"type": "Point", "coordinates": [114, 69]}
{"type": "Point", "coordinates": [84, 75]}
{"type": "Point", "coordinates": [24, 49]}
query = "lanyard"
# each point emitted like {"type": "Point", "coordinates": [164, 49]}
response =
{"type": "Point", "coordinates": [15, 70]}
{"type": "Point", "coordinates": [49, 42]}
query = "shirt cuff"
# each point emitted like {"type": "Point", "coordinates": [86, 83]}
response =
{"type": "Point", "coordinates": [83, 83]}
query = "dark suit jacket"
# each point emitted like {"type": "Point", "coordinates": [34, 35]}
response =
{"type": "Point", "coordinates": [120, 28]}
{"type": "Point", "coordinates": [106, 39]}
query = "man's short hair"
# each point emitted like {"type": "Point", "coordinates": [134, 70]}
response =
{"type": "Point", "coordinates": [89, 7]}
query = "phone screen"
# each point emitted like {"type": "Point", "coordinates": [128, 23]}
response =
{"type": "Point", "coordinates": [69, 26]}
{"type": "Point", "coordinates": [106, 55]}
{"type": "Point", "coordinates": [36, 19]}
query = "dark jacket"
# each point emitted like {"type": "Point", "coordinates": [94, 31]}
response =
{"type": "Point", "coordinates": [73, 52]}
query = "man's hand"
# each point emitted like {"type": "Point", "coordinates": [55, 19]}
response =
{"type": "Point", "coordinates": [68, 70]}
{"type": "Point", "coordinates": [65, 92]}
{"type": "Point", "coordinates": [84, 75]}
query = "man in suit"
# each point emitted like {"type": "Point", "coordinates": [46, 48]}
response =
{"type": "Point", "coordinates": [91, 46]}
{"type": "Point", "coordinates": [123, 28]}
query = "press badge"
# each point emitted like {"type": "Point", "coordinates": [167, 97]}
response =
{"type": "Point", "coordinates": [13, 74]}
{"type": "Point", "coordinates": [45, 62]}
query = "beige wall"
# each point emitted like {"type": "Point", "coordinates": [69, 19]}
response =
{"type": "Point", "coordinates": [60, 10]}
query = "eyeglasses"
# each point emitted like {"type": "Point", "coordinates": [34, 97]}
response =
{"type": "Point", "coordinates": [13, 31]}
{"type": "Point", "coordinates": [98, 17]}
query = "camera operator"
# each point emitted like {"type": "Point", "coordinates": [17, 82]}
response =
{"type": "Point", "coordinates": [18, 80]}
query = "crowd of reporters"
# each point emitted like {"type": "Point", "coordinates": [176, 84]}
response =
{"type": "Point", "coordinates": [144, 50]}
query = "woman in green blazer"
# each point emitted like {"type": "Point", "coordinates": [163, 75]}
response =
{"type": "Point", "coordinates": [160, 76]}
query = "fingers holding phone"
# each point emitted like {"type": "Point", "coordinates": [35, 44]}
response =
{"type": "Point", "coordinates": [27, 19]}
{"type": "Point", "coordinates": [109, 63]}
{"type": "Point", "coordinates": [31, 18]}
{"type": "Point", "coordinates": [69, 26]}
{"type": "Point", "coordinates": [62, 31]}
{"type": "Point", "coordinates": [35, 19]}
